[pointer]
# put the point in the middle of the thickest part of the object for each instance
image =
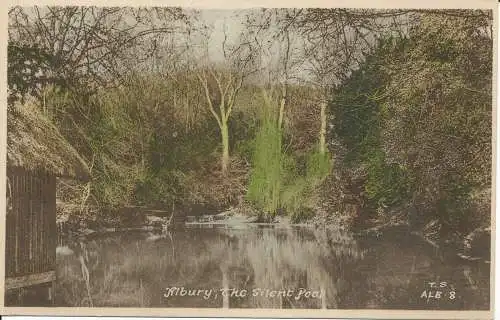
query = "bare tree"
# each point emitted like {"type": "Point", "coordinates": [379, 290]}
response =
{"type": "Point", "coordinates": [221, 83]}
{"type": "Point", "coordinates": [331, 43]}
{"type": "Point", "coordinates": [278, 48]}
{"type": "Point", "coordinates": [92, 44]}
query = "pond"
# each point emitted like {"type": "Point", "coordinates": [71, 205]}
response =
{"type": "Point", "coordinates": [266, 267]}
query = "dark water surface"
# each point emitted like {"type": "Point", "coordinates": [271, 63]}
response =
{"type": "Point", "coordinates": [267, 267]}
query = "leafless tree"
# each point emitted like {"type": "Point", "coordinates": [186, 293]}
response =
{"type": "Point", "coordinates": [222, 81]}
{"type": "Point", "coordinates": [94, 44]}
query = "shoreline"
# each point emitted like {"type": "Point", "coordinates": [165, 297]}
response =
{"type": "Point", "coordinates": [232, 219]}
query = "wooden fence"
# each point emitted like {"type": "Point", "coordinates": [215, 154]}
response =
{"type": "Point", "coordinates": [31, 235]}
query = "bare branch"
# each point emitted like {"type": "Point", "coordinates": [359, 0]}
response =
{"type": "Point", "coordinates": [203, 80]}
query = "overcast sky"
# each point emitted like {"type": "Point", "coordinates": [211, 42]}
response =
{"type": "Point", "coordinates": [231, 20]}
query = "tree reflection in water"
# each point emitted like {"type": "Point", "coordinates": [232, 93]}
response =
{"type": "Point", "coordinates": [342, 271]}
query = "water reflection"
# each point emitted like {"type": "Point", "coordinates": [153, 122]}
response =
{"type": "Point", "coordinates": [263, 268]}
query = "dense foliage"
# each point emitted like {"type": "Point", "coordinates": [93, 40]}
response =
{"type": "Point", "coordinates": [416, 118]}
{"type": "Point", "coordinates": [410, 123]}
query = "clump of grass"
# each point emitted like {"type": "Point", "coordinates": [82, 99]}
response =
{"type": "Point", "coordinates": [266, 179]}
{"type": "Point", "coordinates": [275, 184]}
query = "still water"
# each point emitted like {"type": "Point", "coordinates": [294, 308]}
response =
{"type": "Point", "coordinates": [266, 267]}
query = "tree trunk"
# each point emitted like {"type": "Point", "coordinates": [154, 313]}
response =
{"type": "Point", "coordinates": [225, 147]}
{"type": "Point", "coordinates": [282, 106]}
{"type": "Point", "coordinates": [322, 130]}
{"type": "Point", "coordinates": [282, 112]}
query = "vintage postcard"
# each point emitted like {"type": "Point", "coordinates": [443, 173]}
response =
{"type": "Point", "coordinates": [250, 159]}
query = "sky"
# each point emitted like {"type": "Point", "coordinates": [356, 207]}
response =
{"type": "Point", "coordinates": [232, 21]}
{"type": "Point", "coordinates": [220, 20]}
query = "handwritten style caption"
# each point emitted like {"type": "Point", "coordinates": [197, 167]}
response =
{"type": "Point", "coordinates": [207, 294]}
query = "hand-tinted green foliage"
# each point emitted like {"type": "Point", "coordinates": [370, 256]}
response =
{"type": "Point", "coordinates": [103, 128]}
{"type": "Point", "coordinates": [318, 165]}
{"type": "Point", "coordinates": [386, 183]}
{"type": "Point", "coordinates": [416, 119]}
{"type": "Point", "coordinates": [300, 197]}
{"type": "Point", "coordinates": [440, 92]}
{"type": "Point", "coordinates": [277, 184]}
{"type": "Point", "coordinates": [28, 71]}
{"type": "Point", "coordinates": [410, 128]}
{"type": "Point", "coordinates": [150, 142]}
{"type": "Point", "coordinates": [357, 106]}
{"type": "Point", "coordinates": [268, 162]}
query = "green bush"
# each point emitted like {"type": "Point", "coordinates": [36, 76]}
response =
{"type": "Point", "coordinates": [276, 183]}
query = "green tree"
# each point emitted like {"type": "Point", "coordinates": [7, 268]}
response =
{"type": "Point", "coordinates": [416, 119]}
{"type": "Point", "coordinates": [438, 113]}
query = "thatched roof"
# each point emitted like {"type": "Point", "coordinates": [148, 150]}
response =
{"type": "Point", "coordinates": [34, 143]}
